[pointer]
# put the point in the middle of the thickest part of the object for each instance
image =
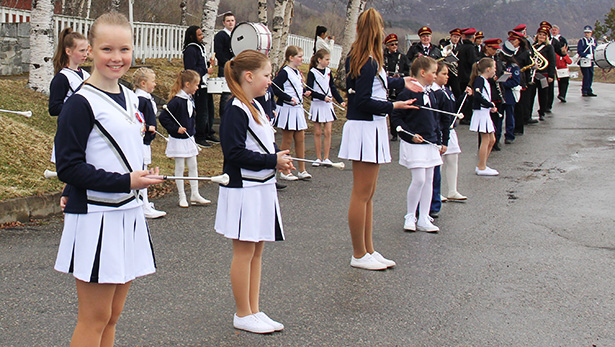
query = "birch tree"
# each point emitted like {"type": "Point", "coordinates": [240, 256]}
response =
{"type": "Point", "coordinates": [277, 28]}
{"type": "Point", "coordinates": [288, 18]}
{"type": "Point", "coordinates": [115, 5]}
{"type": "Point", "coordinates": [41, 45]}
{"type": "Point", "coordinates": [354, 8]}
{"type": "Point", "coordinates": [262, 11]}
{"type": "Point", "coordinates": [182, 19]}
{"type": "Point", "coordinates": [208, 22]}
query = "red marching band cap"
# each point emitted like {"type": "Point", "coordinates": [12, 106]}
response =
{"type": "Point", "coordinates": [544, 23]}
{"type": "Point", "coordinates": [390, 38]}
{"type": "Point", "coordinates": [544, 30]}
{"type": "Point", "coordinates": [479, 35]}
{"type": "Point", "coordinates": [519, 28]}
{"type": "Point", "coordinates": [469, 31]}
{"type": "Point", "coordinates": [515, 35]}
{"type": "Point", "coordinates": [455, 31]}
{"type": "Point", "coordinates": [424, 31]}
{"type": "Point", "coordinates": [493, 43]}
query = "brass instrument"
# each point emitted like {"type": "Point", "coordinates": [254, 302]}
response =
{"type": "Point", "coordinates": [540, 61]}
{"type": "Point", "coordinates": [447, 51]}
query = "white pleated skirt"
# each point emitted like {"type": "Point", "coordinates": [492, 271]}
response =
{"type": "Point", "coordinates": [147, 154]}
{"type": "Point", "coordinates": [453, 144]}
{"type": "Point", "coordinates": [414, 155]}
{"type": "Point", "coordinates": [481, 121]}
{"type": "Point", "coordinates": [250, 213]}
{"type": "Point", "coordinates": [106, 247]}
{"type": "Point", "coordinates": [322, 112]}
{"type": "Point", "coordinates": [291, 118]}
{"type": "Point", "coordinates": [366, 141]}
{"type": "Point", "coordinates": [181, 148]}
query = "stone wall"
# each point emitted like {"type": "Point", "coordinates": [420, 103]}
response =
{"type": "Point", "coordinates": [14, 48]}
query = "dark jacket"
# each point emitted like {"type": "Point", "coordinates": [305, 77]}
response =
{"type": "Point", "coordinates": [478, 99]}
{"type": "Point", "coordinates": [179, 107]}
{"type": "Point", "coordinates": [467, 57]}
{"type": "Point", "coordinates": [422, 122]}
{"type": "Point", "coordinates": [396, 63]}
{"type": "Point", "coordinates": [145, 106]}
{"type": "Point", "coordinates": [416, 50]}
{"type": "Point", "coordinates": [549, 54]}
{"type": "Point", "coordinates": [222, 48]}
{"type": "Point", "coordinates": [513, 81]}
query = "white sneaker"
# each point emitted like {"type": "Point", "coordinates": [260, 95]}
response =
{"type": "Point", "coordinates": [304, 175]}
{"type": "Point", "coordinates": [264, 318]}
{"type": "Point", "coordinates": [316, 163]}
{"type": "Point", "coordinates": [289, 177]}
{"type": "Point", "coordinates": [427, 227]}
{"type": "Point", "coordinates": [252, 324]}
{"type": "Point", "coordinates": [457, 197]}
{"type": "Point", "coordinates": [410, 223]}
{"type": "Point", "coordinates": [367, 262]}
{"type": "Point", "coordinates": [183, 202]}
{"type": "Point", "coordinates": [327, 162]}
{"type": "Point", "coordinates": [199, 200]}
{"type": "Point", "coordinates": [151, 213]}
{"type": "Point", "coordinates": [383, 260]}
{"type": "Point", "coordinates": [487, 172]}
{"type": "Point", "coordinates": [443, 198]}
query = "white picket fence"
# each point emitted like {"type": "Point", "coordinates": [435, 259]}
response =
{"type": "Point", "coordinates": [152, 40]}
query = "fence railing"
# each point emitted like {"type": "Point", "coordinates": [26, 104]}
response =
{"type": "Point", "coordinates": [152, 40]}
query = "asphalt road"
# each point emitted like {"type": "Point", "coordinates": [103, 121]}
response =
{"type": "Point", "coordinates": [528, 260]}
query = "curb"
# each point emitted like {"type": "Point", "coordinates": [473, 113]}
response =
{"type": "Point", "coordinates": [23, 209]}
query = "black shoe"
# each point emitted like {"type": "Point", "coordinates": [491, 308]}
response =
{"type": "Point", "coordinates": [532, 121]}
{"type": "Point", "coordinates": [434, 214]}
{"type": "Point", "coordinates": [496, 148]}
{"type": "Point", "coordinates": [280, 186]}
{"type": "Point", "coordinates": [508, 141]}
{"type": "Point", "coordinates": [394, 138]}
{"type": "Point", "coordinates": [591, 94]}
{"type": "Point", "coordinates": [584, 94]}
{"type": "Point", "coordinates": [548, 111]}
{"type": "Point", "coordinates": [204, 143]}
{"type": "Point", "coordinates": [213, 138]}
{"type": "Point", "coordinates": [541, 117]}
{"type": "Point", "coordinates": [561, 98]}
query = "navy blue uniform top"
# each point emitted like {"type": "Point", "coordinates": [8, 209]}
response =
{"type": "Point", "coordinates": [58, 90]}
{"type": "Point", "coordinates": [311, 81]}
{"type": "Point", "coordinates": [145, 106]}
{"type": "Point", "coordinates": [445, 101]}
{"type": "Point", "coordinates": [194, 60]}
{"type": "Point", "coordinates": [179, 107]}
{"type": "Point", "coordinates": [513, 81]}
{"type": "Point", "coordinates": [467, 56]}
{"type": "Point", "coordinates": [233, 134]}
{"type": "Point", "coordinates": [75, 123]}
{"type": "Point", "coordinates": [479, 101]}
{"type": "Point", "coordinates": [361, 105]}
{"type": "Point", "coordinates": [279, 81]}
{"type": "Point", "coordinates": [422, 122]}
{"type": "Point", "coordinates": [222, 48]}
{"type": "Point", "coordinates": [267, 101]}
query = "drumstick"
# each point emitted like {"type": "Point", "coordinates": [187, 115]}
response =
{"type": "Point", "coordinates": [334, 103]}
{"type": "Point", "coordinates": [282, 90]}
{"type": "Point", "coordinates": [222, 179]}
{"type": "Point", "coordinates": [181, 126]}
{"type": "Point", "coordinates": [339, 165]}
{"type": "Point", "coordinates": [402, 130]}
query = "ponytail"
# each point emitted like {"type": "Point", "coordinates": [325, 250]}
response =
{"type": "Point", "coordinates": [319, 31]}
{"type": "Point", "coordinates": [320, 54]}
{"type": "Point", "coordinates": [479, 68]}
{"type": "Point", "coordinates": [66, 40]}
{"type": "Point", "coordinates": [248, 60]}
{"type": "Point", "coordinates": [183, 77]}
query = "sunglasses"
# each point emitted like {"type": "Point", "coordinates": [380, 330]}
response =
{"type": "Point", "coordinates": [393, 44]}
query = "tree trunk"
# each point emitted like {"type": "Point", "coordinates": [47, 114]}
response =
{"type": "Point", "coordinates": [288, 18]}
{"type": "Point", "coordinates": [277, 28]}
{"type": "Point", "coordinates": [208, 22]}
{"type": "Point", "coordinates": [350, 32]}
{"type": "Point", "coordinates": [115, 5]}
{"type": "Point", "coordinates": [262, 11]}
{"type": "Point", "coordinates": [89, 7]}
{"type": "Point", "coordinates": [182, 6]}
{"type": "Point", "coordinates": [41, 45]}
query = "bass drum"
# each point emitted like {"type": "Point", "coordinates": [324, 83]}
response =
{"type": "Point", "coordinates": [248, 35]}
{"type": "Point", "coordinates": [604, 55]}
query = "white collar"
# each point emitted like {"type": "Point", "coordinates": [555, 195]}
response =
{"type": "Point", "coordinates": [227, 31]}
{"type": "Point", "coordinates": [425, 88]}
{"type": "Point", "coordinates": [182, 94]}
{"type": "Point", "coordinates": [143, 93]}
{"type": "Point", "coordinates": [435, 87]}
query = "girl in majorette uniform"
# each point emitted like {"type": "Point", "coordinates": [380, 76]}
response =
{"type": "Point", "coordinates": [414, 152]}
{"type": "Point", "coordinates": [99, 150]}
{"type": "Point", "coordinates": [144, 80]}
{"type": "Point", "coordinates": [182, 145]}
{"type": "Point", "coordinates": [321, 110]}
{"type": "Point", "coordinates": [365, 138]}
{"type": "Point", "coordinates": [72, 51]}
{"type": "Point", "coordinates": [482, 107]}
{"type": "Point", "coordinates": [289, 83]}
{"type": "Point", "coordinates": [248, 207]}
{"type": "Point", "coordinates": [446, 102]}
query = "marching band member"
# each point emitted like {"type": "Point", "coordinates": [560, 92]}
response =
{"type": "Point", "coordinates": [425, 47]}
{"type": "Point", "coordinates": [224, 53]}
{"type": "Point", "coordinates": [396, 64]}
{"type": "Point", "coordinates": [543, 47]}
{"type": "Point", "coordinates": [556, 48]}
{"type": "Point", "coordinates": [563, 73]}
{"type": "Point", "coordinates": [467, 57]}
{"type": "Point", "coordinates": [453, 76]}
{"type": "Point", "coordinates": [478, 41]}
{"type": "Point", "coordinates": [586, 47]}
{"type": "Point", "coordinates": [523, 56]}
{"type": "Point", "coordinates": [490, 51]}
{"type": "Point", "coordinates": [510, 85]}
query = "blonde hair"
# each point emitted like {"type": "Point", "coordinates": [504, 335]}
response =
{"type": "Point", "coordinates": [142, 74]}
{"type": "Point", "coordinates": [421, 63]}
{"type": "Point", "coordinates": [68, 39]}
{"type": "Point", "coordinates": [370, 34]}
{"type": "Point", "coordinates": [109, 18]}
{"type": "Point", "coordinates": [320, 54]}
{"type": "Point", "coordinates": [183, 77]}
{"type": "Point", "coordinates": [479, 68]}
{"type": "Point", "coordinates": [291, 51]}
{"type": "Point", "coordinates": [248, 60]}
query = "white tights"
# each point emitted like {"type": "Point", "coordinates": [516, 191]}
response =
{"type": "Point", "coordinates": [192, 172]}
{"type": "Point", "coordinates": [419, 193]}
{"type": "Point", "coordinates": [144, 191]}
{"type": "Point", "coordinates": [449, 169]}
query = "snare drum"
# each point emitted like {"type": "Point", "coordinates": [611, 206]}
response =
{"type": "Point", "coordinates": [604, 55]}
{"type": "Point", "coordinates": [217, 86]}
{"type": "Point", "coordinates": [251, 36]}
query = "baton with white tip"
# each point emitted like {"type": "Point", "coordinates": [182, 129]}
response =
{"type": "Point", "coordinates": [402, 130]}
{"type": "Point", "coordinates": [339, 165]}
{"type": "Point", "coordinates": [221, 179]}
{"type": "Point", "coordinates": [334, 103]}
{"type": "Point", "coordinates": [181, 126]}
